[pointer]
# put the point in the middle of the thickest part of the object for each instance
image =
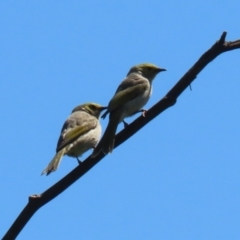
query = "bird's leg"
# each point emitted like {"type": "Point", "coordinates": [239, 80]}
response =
{"type": "Point", "coordinates": [125, 124]}
{"type": "Point", "coordinates": [143, 111]}
{"type": "Point", "coordinates": [79, 162]}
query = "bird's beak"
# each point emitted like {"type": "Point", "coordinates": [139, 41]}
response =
{"type": "Point", "coordinates": [103, 108]}
{"type": "Point", "coordinates": [161, 69]}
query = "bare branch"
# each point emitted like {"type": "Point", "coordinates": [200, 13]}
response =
{"type": "Point", "coordinates": [37, 201]}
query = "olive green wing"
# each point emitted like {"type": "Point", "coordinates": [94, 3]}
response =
{"type": "Point", "coordinates": [71, 134]}
{"type": "Point", "coordinates": [126, 95]}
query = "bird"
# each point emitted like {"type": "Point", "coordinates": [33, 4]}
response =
{"type": "Point", "coordinates": [130, 97]}
{"type": "Point", "coordinates": [80, 132]}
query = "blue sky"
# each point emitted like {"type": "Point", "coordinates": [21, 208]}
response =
{"type": "Point", "coordinates": [179, 177]}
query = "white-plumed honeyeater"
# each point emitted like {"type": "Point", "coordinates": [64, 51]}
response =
{"type": "Point", "coordinates": [80, 132]}
{"type": "Point", "coordinates": [131, 95]}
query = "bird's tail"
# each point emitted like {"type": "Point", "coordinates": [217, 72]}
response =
{"type": "Point", "coordinates": [53, 165]}
{"type": "Point", "coordinates": [106, 144]}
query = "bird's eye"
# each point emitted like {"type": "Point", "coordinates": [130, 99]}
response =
{"type": "Point", "coordinates": [149, 69]}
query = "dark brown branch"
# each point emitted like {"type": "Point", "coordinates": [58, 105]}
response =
{"type": "Point", "coordinates": [37, 201]}
{"type": "Point", "coordinates": [171, 97]}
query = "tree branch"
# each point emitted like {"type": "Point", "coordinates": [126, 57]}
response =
{"type": "Point", "coordinates": [37, 201]}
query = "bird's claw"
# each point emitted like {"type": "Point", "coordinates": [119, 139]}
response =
{"type": "Point", "coordinates": [144, 111]}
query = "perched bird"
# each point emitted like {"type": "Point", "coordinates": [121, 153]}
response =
{"type": "Point", "coordinates": [131, 95]}
{"type": "Point", "coordinates": [80, 132]}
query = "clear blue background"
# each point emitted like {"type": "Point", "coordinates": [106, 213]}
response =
{"type": "Point", "coordinates": [179, 177]}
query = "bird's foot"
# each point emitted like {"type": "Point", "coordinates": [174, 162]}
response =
{"type": "Point", "coordinates": [144, 111]}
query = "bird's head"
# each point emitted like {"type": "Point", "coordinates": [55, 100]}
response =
{"type": "Point", "coordinates": [147, 70]}
{"type": "Point", "coordinates": [93, 109]}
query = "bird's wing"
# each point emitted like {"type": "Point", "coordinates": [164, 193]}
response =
{"type": "Point", "coordinates": [123, 96]}
{"type": "Point", "coordinates": [131, 81]}
{"type": "Point", "coordinates": [71, 134]}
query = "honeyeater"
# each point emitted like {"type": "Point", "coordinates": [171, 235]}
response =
{"type": "Point", "coordinates": [131, 95]}
{"type": "Point", "coordinates": [80, 132]}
